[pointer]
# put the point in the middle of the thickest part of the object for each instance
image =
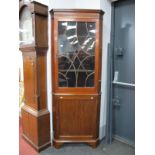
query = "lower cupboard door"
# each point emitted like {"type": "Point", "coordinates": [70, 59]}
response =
{"type": "Point", "coordinates": [78, 118]}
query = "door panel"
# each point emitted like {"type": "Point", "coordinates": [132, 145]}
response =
{"type": "Point", "coordinates": [30, 81]}
{"type": "Point", "coordinates": [124, 41]}
{"type": "Point", "coordinates": [124, 66]}
{"type": "Point", "coordinates": [77, 116]}
{"type": "Point", "coordinates": [76, 55]}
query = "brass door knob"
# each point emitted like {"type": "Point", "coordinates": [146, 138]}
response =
{"type": "Point", "coordinates": [91, 98]}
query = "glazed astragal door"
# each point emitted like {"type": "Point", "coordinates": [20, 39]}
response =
{"type": "Point", "coordinates": [76, 67]}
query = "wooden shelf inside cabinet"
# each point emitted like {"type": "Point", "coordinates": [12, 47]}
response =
{"type": "Point", "coordinates": [33, 45]}
{"type": "Point", "coordinates": [76, 71]}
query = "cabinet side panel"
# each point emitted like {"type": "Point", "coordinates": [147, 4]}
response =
{"type": "Point", "coordinates": [33, 125]}
{"type": "Point", "coordinates": [44, 129]}
{"type": "Point", "coordinates": [42, 94]}
{"type": "Point", "coordinates": [41, 31]}
{"type": "Point", "coordinates": [25, 123]}
{"type": "Point", "coordinates": [55, 118]}
{"type": "Point", "coordinates": [30, 80]}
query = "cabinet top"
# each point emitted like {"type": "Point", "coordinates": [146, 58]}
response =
{"type": "Point", "coordinates": [101, 12]}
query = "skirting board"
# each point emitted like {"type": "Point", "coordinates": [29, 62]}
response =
{"type": "Point", "coordinates": [123, 140]}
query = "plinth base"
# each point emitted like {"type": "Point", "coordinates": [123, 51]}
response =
{"type": "Point", "coordinates": [36, 127]}
{"type": "Point", "coordinates": [58, 143]}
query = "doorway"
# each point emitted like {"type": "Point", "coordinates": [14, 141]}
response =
{"type": "Point", "coordinates": [123, 72]}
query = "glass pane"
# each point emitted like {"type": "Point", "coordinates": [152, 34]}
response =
{"type": "Point", "coordinates": [76, 53]}
{"type": "Point", "coordinates": [62, 80]}
{"type": "Point", "coordinates": [25, 27]}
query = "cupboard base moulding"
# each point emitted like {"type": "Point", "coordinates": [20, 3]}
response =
{"type": "Point", "coordinates": [58, 143]}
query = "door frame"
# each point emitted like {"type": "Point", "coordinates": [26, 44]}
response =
{"type": "Point", "coordinates": [110, 76]}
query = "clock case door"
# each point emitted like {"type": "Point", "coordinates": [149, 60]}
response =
{"type": "Point", "coordinates": [26, 26]}
{"type": "Point", "coordinates": [37, 18]}
{"type": "Point", "coordinates": [76, 108]}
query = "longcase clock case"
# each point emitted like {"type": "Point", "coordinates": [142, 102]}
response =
{"type": "Point", "coordinates": [76, 75]}
{"type": "Point", "coordinates": [34, 45]}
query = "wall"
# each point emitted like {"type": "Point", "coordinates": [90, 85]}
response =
{"type": "Point", "coordinates": [46, 2]}
{"type": "Point", "coordinates": [76, 4]}
{"type": "Point", "coordinates": [105, 5]}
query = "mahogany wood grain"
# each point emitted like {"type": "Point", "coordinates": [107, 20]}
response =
{"type": "Point", "coordinates": [39, 14]}
{"type": "Point", "coordinates": [76, 111]}
{"type": "Point", "coordinates": [36, 130]}
{"type": "Point", "coordinates": [35, 116]}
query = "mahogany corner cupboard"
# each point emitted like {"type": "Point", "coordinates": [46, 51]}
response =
{"type": "Point", "coordinates": [76, 75]}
